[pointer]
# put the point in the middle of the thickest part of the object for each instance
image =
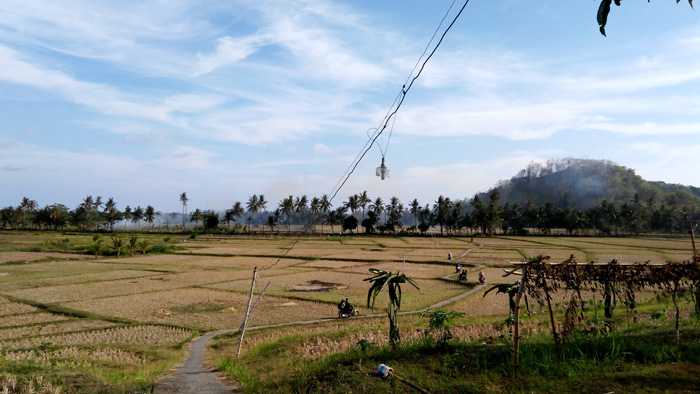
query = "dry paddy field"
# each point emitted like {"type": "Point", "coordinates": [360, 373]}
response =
{"type": "Point", "coordinates": [127, 319]}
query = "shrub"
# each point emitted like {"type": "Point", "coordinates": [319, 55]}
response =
{"type": "Point", "coordinates": [439, 323]}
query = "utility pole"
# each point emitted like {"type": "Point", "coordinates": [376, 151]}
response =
{"type": "Point", "coordinates": [244, 324]}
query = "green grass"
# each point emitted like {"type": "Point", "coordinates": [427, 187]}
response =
{"type": "Point", "coordinates": [636, 357]}
{"type": "Point", "coordinates": [648, 363]}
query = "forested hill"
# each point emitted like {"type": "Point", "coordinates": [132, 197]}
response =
{"type": "Point", "coordinates": [583, 184]}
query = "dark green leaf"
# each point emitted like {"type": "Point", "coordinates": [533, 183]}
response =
{"type": "Point", "coordinates": [603, 12]}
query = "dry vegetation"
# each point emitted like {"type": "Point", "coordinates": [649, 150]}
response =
{"type": "Point", "coordinates": [134, 313]}
{"type": "Point", "coordinates": [53, 328]}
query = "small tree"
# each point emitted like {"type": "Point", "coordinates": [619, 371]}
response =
{"type": "Point", "coordinates": [196, 216]}
{"type": "Point", "coordinates": [117, 244]}
{"type": "Point", "coordinates": [211, 221]}
{"type": "Point", "coordinates": [393, 282]}
{"type": "Point", "coordinates": [440, 323]}
{"type": "Point", "coordinates": [369, 222]}
{"type": "Point", "coordinates": [133, 242]}
{"type": "Point", "coordinates": [272, 220]}
{"type": "Point", "coordinates": [350, 223]}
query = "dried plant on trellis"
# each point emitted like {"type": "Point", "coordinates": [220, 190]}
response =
{"type": "Point", "coordinates": [614, 280]}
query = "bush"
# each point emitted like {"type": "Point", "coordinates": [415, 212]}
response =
{"type": "Point", "coordinates": [350, 223]}
{"type": "Point", "coordinates": [160, 248]}
{"type": "Point", "coordinates": [211, 221]}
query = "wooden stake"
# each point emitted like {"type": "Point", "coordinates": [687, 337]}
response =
{"type": "Point", "coordinates": [678, 312]}
{"type": "Point", "coordinates": [692, 239]}
{"type": "Point", "coordinates": [552, 322]}
{"type": "Point", "coordinates": [516, 321]}
{"type": "Point", "coordinates": [244, 324]}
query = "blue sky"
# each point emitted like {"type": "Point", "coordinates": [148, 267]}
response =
{"type": "Point", "coordinates": [141, 100]}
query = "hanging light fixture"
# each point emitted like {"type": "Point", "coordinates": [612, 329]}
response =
{"type": "Point", "coordinates": [382, 171]}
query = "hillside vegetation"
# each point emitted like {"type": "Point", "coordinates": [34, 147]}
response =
{"type": "Point", "coordinates": [584, 184]}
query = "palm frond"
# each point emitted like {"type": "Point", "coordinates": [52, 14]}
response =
{"type": "Point", "coordinates": [377, 287]}
{"type": "Point", "coordinates": [399, 297]}
{"type": "Point", "coordinates": [501, 289]}
{"type": "Point", "coordinates": [412, 283]}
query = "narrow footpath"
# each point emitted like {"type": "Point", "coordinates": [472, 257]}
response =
{"type": "Point", "coordinates": [193, 377]}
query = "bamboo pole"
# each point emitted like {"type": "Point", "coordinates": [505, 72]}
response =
{"type": "Point", "coordinates": [244, 324]}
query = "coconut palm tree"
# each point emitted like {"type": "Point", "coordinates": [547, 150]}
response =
{"type": "Point", "coordinates": [197, 216]}
{"type": "Point", "coordinates": [111, 213]}
{"type": "Point", "coordinates": [394, 213]}
{"type": "Point", "coordinates": [353, 203]}
{"type": "Point", "coordinates": [98, 203]}
{"type": "Point", "coordinates": [315, 208]}
{"type": "Point", "coordinates": [415, 210]}
{"type": "Point", "coordinates": [262, 204]}
{"type": "Point", "coordinates": [137, 216]}
{"type": "Point", "coordinates": [126, 215]}
{"type": "Point", "coordinates": [325, 205]}
{"type": "Point", "coordinates": [393, 282]}
{"type": "Point", "coordinates": [300, 204]}
{"type": "Point", "coordinates": [286, 206]}
{"type": "Point", "coordinates": [228, 217]}
{"type": "Point", "coordinates": [252, 207]}
{"type": "Point", "coordinates": [378, 207]}
{"type": "Point", "coordinates": [301, 207]}
{"type": "Point", "coordinates": [441, 211]}
{"type": "Point", "coordinates": [363, 201]}
{"type": "Point", "coordinates": [237, 210]}
{"type": "Point", "coordinates": [183, 201]}
{"type": "Point", "coordinates": [150, 215]}
{"type": "Point", "coordinates": [27, 207]}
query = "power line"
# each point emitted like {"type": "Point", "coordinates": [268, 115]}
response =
{"type": "Point", "coordinates": [410, 75]}
{"type": "Point", "coordinates": [402, 97]}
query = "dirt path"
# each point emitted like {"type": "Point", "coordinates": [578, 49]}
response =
{"type": "Point", "coordinates": [194, 377]}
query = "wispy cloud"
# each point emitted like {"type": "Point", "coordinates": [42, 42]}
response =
{"type": "Point", "coordinates": [187, 87]}
{"type": "Point", "coordinates": [10, 168]}
{"type": "Point", "coordinates": [229, 50]}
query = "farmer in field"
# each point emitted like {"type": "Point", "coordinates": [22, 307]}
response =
{"type": "Point", "coordinates": [482, 277]}
{"type": "Point", "coordinates": [463, 275]}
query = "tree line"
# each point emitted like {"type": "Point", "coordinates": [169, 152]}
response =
{"type": "Point", "coordinates": [91, 214]}
{"type": "Point", "coordinates": [483, 214]}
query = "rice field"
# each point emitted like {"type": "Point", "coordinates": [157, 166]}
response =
{"type": "Point", "coordinates": [63, 311]}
